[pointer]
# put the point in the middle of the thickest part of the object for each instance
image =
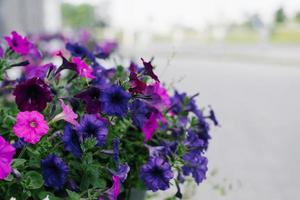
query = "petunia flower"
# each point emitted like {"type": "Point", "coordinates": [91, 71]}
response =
{"type": "Point", "coordinates": [32, 71]}
{"type": "Point", "coordinates": [82, 68]}
{"type": "Point", "coordinates": [20, 45]}
{"type": "Point", "coordinates": [113, 192]}
{"type": "Point", "coordinates": [149, 70]}
{"type": "Point", "coordinates": [115, 101]}
{"type": "Point", "coordinates": [79, 51]}
{"type": "Point", "coordinates": [159, 97]}
{"type": "Point", "coordinates": [72, 140]}
{"type": "Point", "coordinates": [91, 98]}
{"type": "Point", "coordinates": [33, 94]}
{"type": "Point", "coordinates": [137, 86]}
{"type": "Point", "coordinates": [105, 49]}
{"type": "Point", "coordinates": [156, 174]}
{"type": "Point", "coordinates": [67, 114]}
{"type": "Point", "coordinates": [30, 126]}
{"type": "Point", "coordinates": [151, 125]}
{"type": "Point", "coordinates": [7, 151]}
{"type": "Point", "coordinates": [92, 126]}
{"type": "Point", "coordinates": [54, 172]}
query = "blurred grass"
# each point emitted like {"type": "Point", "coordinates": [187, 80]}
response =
{"type": "Point", "coordinates": [286, 34]}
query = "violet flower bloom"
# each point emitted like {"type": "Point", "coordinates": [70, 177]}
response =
{"type": "Point", "coordinates": [7, 151]}
{"type": "Point", "coordinates": [32, 71]}
{"type": "Point", "coordinates": [30, 126]}
{"type": "Point", "coordinates": [115, 101]}
{"type": "Point", "coordinates": [72, 140]}
{"type": "Point", "coordinates": [54, 172]}
{"type": "Point", "coordinates": [139, 112]}
{"type": "Point", "coordinates": [33, 94]}
{"type": "Point", "coordinates": [67, 114]}
{"type": "Point", "coordinates": [91, 98]}
{"type": "Point", "coordinates": [195, 164]}
{"type": "Point", "coordinates": [113, 192]}
{"type": "Point", "coordinates": [79, 51]}
{"type": "Point", "coordinates": [156, 174]}
{"type": "Point", "coordinates": [92, 126]}
{"type": "Point", "coordinates": [105, 49]}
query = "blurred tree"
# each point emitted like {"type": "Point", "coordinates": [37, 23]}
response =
{"type": "Point", "coordinates": [297, 17]}
{"type": "Point", "coordinates": [80, 16]}
{"type": "Point", "coordinates": [280, 16]}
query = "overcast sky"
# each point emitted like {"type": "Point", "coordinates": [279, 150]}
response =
{"type": "Point", "coordinates": [195, 13]}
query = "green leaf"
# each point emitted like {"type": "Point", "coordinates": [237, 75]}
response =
{"type": "Point", "coordinates": [73, 195]}
{"type": "Point", "coordinates": [33, 180]}
{"type": "Point", "coordinates": [18, 162]}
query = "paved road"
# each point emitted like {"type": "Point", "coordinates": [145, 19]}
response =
{"type": "Point", "coordinates": [257, 147]}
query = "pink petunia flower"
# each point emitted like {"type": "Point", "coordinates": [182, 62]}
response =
{"type": "Point", "coordinates": [82, 68]}
{"type": "Point", "coordinates": [67, 114]}
{"type": "Point", "coordinates": [114, 191]}
{"type": "Point", "coordinates": [1, 52]}
{"type": "Point", "coordinates": [151, 125]}
{"type": "Point", "coordinates": [30, 126]}
{"type": "Point", "coordinates": [7, 151]}
{"type": "Point", "coordinates": [18, 44]}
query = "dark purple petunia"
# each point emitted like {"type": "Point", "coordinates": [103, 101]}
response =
{"type": "Point", "coordinates": [72, 140]}
{"type": "Point", "coordinates": [79, 51]}
{"type": "Point", "coordinates": [137, 86]}
{"type": "Point", "coordinates": [156, 174]}
{"type": "Point", "coordinates": [54, 172]}
{"type": "Point", "coordinates": [115, 101]}
{"type": "Point", "coordinates": [195, 164]}
{"type": "Point", "coordinates": [116, 150]}
{"type": "Point", "coordinates": [149, 70]}
{"type": "Point", "coordinates": [33, 94]}
{"type": "Point", "coordinates": [91, 99]}
{"type": "Point", "coordinates": [93, 127]}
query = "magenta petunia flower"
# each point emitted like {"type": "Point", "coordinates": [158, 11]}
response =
{"type": "Point", "coordinates": [67, 114]}
{"type": "Point", "coordinates": [30, 126]}
{"type": "Point", "coordinates": [82, 68]}
{"type": "Point", "coordinates": [151, 125]}
{"type": "Point", "coordinates": [18, 44]}
{"type": "Point", "coordinates": [159, 96]}
{"type": "Point", "coordinates": [7, 151]}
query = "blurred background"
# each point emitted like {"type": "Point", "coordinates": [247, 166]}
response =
{"type": "Point", "coordinates": [242, 56]}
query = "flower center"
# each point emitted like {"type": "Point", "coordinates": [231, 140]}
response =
{"type": "Point", "coordinates": [33, 124]}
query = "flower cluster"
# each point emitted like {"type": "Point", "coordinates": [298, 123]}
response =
{"type": "Point", "coordinates": [78, 129]}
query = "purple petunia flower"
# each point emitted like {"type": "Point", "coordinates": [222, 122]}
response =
{"type": "Point", "coordinates": [156, 174]}
{"type": "Point", "coordinates": [195, 164]}
{"type": "Point", "coordinates": [72, 140]}
{"type": "Point", "coordinates": [33, 94]}
{"type": "Point", "coordinates": [54, 172]}
{"type": "Point", "coordinates": [91, 99]}
{"type": "Point", "coordinates": [139, 112]}
{"type": "Point", "coordinates": [115, 101]}
{"type": "Point", "coordinates": [105, 49]}
{"type": "Point", "coordinates": [18, 44]}
{"type": "Point", "coordinates": [79, 51]}
{"type": "Point", "coordinates": [32, 71]}
{"type": "Point", "coordinates": [177, 102]}
{"type": "Point", "coordinates": [92, 126]}
{"type": "Point", "coordinates": [194, 143]}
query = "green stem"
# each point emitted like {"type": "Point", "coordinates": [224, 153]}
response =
{"type": "Point", "coordinates": [23, 151]}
